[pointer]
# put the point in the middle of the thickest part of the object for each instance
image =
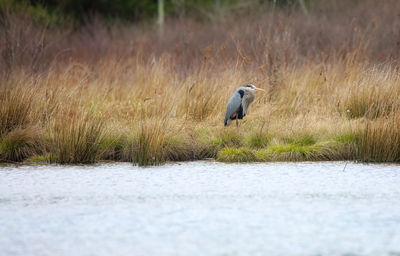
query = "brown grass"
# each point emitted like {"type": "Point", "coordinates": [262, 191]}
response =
{"type": "Point", "coordinates": [379, 141]}
{"type": "Point", "coordinates": [76, 139]}
{"type": "Point", "coordinates": [123, 92]}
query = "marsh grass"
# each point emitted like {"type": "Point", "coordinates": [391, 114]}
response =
{"type": "Point", "coordinates": [321, 151]}
{"type": "Point", "coordinates": [237, 155]}
{"type": "Point", "coordinates": [258, 140]}
{"type": "Point", "coordinates": [14, 108]}
{"type": "Point", "coordinates": [40, 159]}
{"type": "Point", "coordinates": [120, 93]}
{"type": "Point", "coordinates": [76, 139]}
{"type": "Point", "coordinates": [150, 145]}
{"type": "Point", "coordinates": [20, 143]}
{"type": "Point", "coordinates": [117, 146]}
{"type": "Point", "coordinates": [374, 94]}
{"type": "Point", "coordinates": [379, 141]}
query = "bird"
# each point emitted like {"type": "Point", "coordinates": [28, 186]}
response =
{"type": "Point", "coordinates": [240, 102]}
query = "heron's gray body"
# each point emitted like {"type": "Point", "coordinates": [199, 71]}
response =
{"type": "Point", "coordinates": [239, 103]}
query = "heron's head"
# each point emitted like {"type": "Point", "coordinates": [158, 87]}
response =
{"type": "Point", "coordinates": [253, 87]}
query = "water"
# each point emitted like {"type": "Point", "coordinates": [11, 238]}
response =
{"type": "Point", "coordinates": [201, 208]}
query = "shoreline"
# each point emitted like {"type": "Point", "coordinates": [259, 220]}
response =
{"type": "Point", "coordinates": [124, 92]}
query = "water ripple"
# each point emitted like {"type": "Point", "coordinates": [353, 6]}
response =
{"type": "Point", "coordinates": [200, 208]}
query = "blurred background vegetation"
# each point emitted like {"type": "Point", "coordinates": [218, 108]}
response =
{"type": "Point", "coordinates": [80, 11]}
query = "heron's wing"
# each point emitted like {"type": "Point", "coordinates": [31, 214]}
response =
{"type": "Point", "coordinates": [233, 105]}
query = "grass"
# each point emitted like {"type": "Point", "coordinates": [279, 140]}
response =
{"type": "Point", "coordinates": [257, 140]}
{"type": "Point", "coordinates": [41, 159]}
{"type": "Point", "coordinates": [77, 139]}
{"type": "Point", "coordinates": [321, 151]}
{"type": "Point", "coordinates": [121, 93]}
{"type": "Point", "coordinates": [150, 146]}
{"type": "Point", "coordinates": [379, 141]}
{"type": "Point", "coordinates": [20, 144]}
{"type": "Point", "coordinates": [15, 108]}
{"type": "Point", "coordinates": [237, 155]}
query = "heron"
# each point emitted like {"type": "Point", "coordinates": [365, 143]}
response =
{"type": "Point", "coordinates": [240, 102]}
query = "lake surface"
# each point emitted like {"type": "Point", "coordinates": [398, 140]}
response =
{"type": "Point", "coordinates": [201, 208]}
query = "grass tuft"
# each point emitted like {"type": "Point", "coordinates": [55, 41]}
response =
{"type": "Point", "coordinates": [374, 94]}
{"type": "Point", "coordinates": [149, 144]}
{"type": "Point", "coordinates": [117, 147]}
{"type": "Point", "coordinates": [379, 141]}
{"type": "Point", "coordinates": [20, 144]}
{"type": "Point", "coordinates": [15, 106]}
{"type": "Point", "coordinates": [76, 140]}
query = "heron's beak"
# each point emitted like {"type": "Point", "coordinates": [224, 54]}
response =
{"type": "Point", "coordinates": [259, 89]}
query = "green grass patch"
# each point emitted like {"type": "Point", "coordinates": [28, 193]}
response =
{"type": "Point", "coordinates": [258, 140]}
{"type": "Point", "coordinates": [236, 155]}
{"type": "Point", "coordinates": [230, 138]}
{"type": "Point", "coordinates": [300, 140]}
{"type": "Point", "coordinates": [321, 151]}
{"type": "Point", "coordinates": [346, 138]}
{"type": "Point", "coordinates": [41, 159]}
{"type": "Point", "coordinates": [227, 138]}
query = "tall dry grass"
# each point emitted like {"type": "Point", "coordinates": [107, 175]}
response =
{"type": "Point", "coordinates": [379, 141]}
{"type": "Point", "coordinates": [76, 139]}
{"type": "Point", "coordinates": [126, 93]}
